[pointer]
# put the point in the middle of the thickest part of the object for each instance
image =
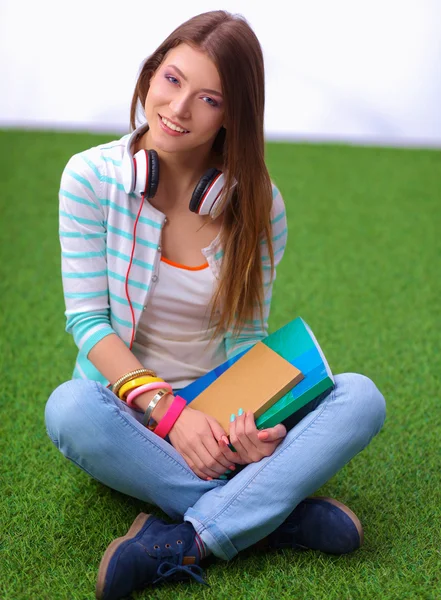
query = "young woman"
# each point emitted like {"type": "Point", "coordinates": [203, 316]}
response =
{"type": "Point", "coordinates": [170, 237]}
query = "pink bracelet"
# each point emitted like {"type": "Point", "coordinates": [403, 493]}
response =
{"type": "Point", "coordinates": [169, 419]}
{"type": "Point", "coordinates": [156, 385]}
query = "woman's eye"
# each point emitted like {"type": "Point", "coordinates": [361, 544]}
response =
{"type": "Point", "coordinates": [171, 79]}
{"type": "Point", "coordinates": [210, 101]}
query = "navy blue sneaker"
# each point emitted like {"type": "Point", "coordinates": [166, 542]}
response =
{"type": "Point", "coordinates": [152, 551]}
{"type": "Point", "coordinates": [319, 524]}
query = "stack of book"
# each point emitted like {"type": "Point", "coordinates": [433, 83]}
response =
{"type": "Point", "coordinates": [276, 379]}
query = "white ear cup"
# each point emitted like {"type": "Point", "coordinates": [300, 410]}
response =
{"type": "Point", "coordinates": [141, 171]}
{"type": "Point", "coordinates": [211, 196]}
{"type": "Point", "coordinates": [216, 197]}
{"type": "Point", "coordinates": [128, 172]}
{"type": "Point", "coordinates": [128, 166]}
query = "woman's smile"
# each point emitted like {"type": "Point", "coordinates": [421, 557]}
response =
{"type": "Point", "coordinates": [170, 127]}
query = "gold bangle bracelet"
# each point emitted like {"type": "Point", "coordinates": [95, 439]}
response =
{"type": "Point", "coordinates": [128, 376]}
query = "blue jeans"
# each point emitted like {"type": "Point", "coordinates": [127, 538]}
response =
{"type": "Point", "coordinates": [105, 438]}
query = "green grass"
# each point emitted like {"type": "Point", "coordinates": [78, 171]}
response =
{"type": "Point", "coordinates": [362, 267]}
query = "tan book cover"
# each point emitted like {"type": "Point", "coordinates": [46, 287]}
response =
{"type": "Point", "coordinates": [255, 382]}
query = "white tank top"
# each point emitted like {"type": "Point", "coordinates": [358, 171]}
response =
{"type": "Point", "coordinates": [173, 335]}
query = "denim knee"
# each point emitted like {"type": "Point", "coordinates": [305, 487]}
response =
{"type": "Point", "coordinates": [366, 406]}
{"type": "Point", "coordinates": [63, 412]}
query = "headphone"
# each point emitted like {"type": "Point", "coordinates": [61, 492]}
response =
{"type": "Point", "coordinates": [140, 174]}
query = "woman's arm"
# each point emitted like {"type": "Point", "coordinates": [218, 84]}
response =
{"type": "Point", "coordinates": [83, 225]}
{"type": "Point", "coordinates": [113, 359]}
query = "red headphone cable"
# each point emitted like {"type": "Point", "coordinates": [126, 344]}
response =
{"type": "Point", "coordinates": [128, 271]}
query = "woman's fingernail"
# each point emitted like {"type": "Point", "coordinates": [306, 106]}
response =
{"type": "Point", "coordinates": [233, 467]}
{"type": "Point", "coordinates": [209, 478]}
{"type": "Point", "coordinates": [232, 418]}
{"type": "Point", "coordinates": [239, 412]}
{"type": "Point", "coordinates": [228, 471]}
{"type": "Point", "coordinates": [223, 477]}
{"type": "Point", "coordinates": [225, 439]}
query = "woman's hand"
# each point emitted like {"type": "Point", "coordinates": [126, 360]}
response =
{"type": "Point", "coordinates": [195, 436]}
{"type": "Point", "coordinates": [252, 445]}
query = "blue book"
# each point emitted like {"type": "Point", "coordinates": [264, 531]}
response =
{"type": "Point", "coordinates": [296, 343]}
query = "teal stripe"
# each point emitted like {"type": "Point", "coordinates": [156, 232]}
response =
{"type": "Point", "coordinates": [120, 232]}
{"type": "Point", "coordinates": [122, 322]}
{"type": "Point", "coordinates": [126, 257]}
{"type": "Point", "coordinates": [219, 255]}
{"type": "Point", "coordinates": [136, 284]}
{"type": "Point", "coordinates": [88, 323]}
{"type": "Point", "coordinates": [94, 339]}
{"type": "Point", "coordinates": [129, 236]}
{"type": "Point", "coordinates": [278, 251]}
{"type": "Point", "coordinates": [129, 213]}
{"type": "Point", "coordinates": [92, 166]}
{"type": "Point", "coordinates": [146, 243]}
{"type": "Point", "coordinates": [77, 234]}
{"type": "Point", "coordinates": [125, 302]}
{"type": "Point", "coordinates": [84, 275]}
{"type": "Point", "coordinates": [254, 322]}
{"type": "Point", "coordinates": [275, 191]}
{"type": "Point", "coordinates": [113, 181]}
{"type": "Point", "coordinates": [80, 179]}
{"type": "Point", "coordinates": [85, 295]}
{"type": "Point", "coordinates": [150, 222]}
{"type": "Point", "coordinates": [117, 163]}
{"type": "Point", "coordinates": [78, 199]}
{"type": "Point", "coordinates": [275, 238]}
{"type": "Point", "coordinates": [281, 234]}
{"type": "Point", "coordinates": [88, 371]}
{"type": "Point", "coordinates": [278, 218]}
{"type": "Point", "coordinates": [100, 254]}
{"type": "Point", "coordinates": [81, 220]}
{"type": "Point", "coordinates": [102, 178]}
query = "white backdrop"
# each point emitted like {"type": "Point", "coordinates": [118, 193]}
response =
{"type": "Point", "coordinates": [362, 70]}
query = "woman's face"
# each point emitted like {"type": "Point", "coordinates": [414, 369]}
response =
{"type": "Point", "coordinates": [185, 92]}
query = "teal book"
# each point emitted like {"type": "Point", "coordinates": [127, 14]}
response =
{"type": "Point", "coordinates": [297, 344]}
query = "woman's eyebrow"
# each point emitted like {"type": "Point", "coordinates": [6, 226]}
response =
{"type": "Point", "coordinates": [208, 91]}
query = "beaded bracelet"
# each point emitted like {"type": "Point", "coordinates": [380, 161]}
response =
{"type": "Point", "coordinates": [131, 375]}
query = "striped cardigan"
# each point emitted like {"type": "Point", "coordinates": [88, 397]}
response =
{"type": "Point", "coordinates": [96, 235]}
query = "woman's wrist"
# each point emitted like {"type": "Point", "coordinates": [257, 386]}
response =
{"type": "Point", "coordinates": [162, 407]}
{"type": "Point", "coordinates": [143, 400]}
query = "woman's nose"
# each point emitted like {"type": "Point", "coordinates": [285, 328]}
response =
{"type": "Point", "coordinates": [180, 105]}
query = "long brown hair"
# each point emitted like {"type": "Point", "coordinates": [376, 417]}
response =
{"type": "Point", "coordinates": [232, 45]}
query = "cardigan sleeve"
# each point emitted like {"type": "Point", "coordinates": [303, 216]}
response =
{"type": "Point", "coordinates": [82, 231]}
{"type": "Point", "coordinates": [256, 330]}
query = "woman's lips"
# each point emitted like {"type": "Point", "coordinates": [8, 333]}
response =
{"type": "Point", "coordinates": [169, 131]}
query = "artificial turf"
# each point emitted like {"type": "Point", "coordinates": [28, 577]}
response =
{"type": "Point", "coordinates": [362, 267]}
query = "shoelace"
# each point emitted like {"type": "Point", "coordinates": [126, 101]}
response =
{"type": "Point", "coordinates": [168, 568]}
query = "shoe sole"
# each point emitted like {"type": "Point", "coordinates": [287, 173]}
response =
{"type": "Point", "coordinates": [347, 511]}
{"type": "Point", "coordinates": [136, 527]}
